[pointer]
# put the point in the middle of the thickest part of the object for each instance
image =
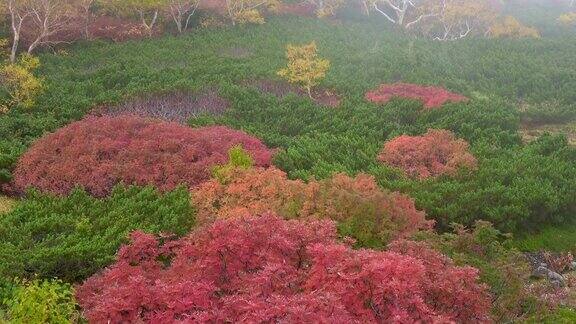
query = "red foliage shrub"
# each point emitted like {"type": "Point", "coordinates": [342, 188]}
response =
{"type": "Point", "coordinates": [265, 269]}
{"type": "Point", "coordinates": [97, 153]}
{"type": "Point", "coordinates": [432, 97]}
{"type": "Point", "coordinates": [373, 216]}
{"type": "Point", "coordinates": [435, 153]}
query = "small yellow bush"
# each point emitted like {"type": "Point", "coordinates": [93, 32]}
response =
{"type": "Point", "coordinates": [304, 67]}
{"type": "Point", "coordinates": [327, 8]}
{"type": "Point", "coordinates": [251, 16]}
{"type": "Point", "coordinates": [568, 19]}
{"type": "Point", "coordinates": [18, 85]}
{"type": "Point", "coordinates": [511, 27]}
{"type": "Point", "coordinates": [6, 205]}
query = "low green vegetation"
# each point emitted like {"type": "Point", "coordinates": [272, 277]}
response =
{"type": "Point", "coordinates": [553, 238]}
{"type": "Point", "coordinates": [73, 237]}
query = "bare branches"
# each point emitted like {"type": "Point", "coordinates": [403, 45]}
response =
{"type": "Point", "coordinates": [18, 13]}
{"type": "Point", "coordinates": [50, 17]}
{"type": "Point", "coordinates": [182, 11]}
{"type": "Point", "coordinates": [398, 11]}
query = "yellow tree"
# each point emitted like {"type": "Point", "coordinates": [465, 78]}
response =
{"type": "Point", "coordinates": [568, 19]}
{"type": "Point", "coordinates": [511, 27]}
{"type": "Point", "coordinates": [248, 11]}
{"type": "Point", "coordinates": [304, 68]}
{"type": "Point", "coordinates": [18, 85]}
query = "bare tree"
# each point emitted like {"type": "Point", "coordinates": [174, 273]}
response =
{"type": "Point", "coordinates": [461, 18]}
{"type": "Point", "coordinates": [86, 7]}
{"type": "Point", "coordinates": [405, 13]}
{"type": "Point", "coordinates": [49, 18]}
{"type": "Point", "coordinates": [147, 10]}
{"type": "Point", "coordinates": [182, 11]}
{"type": "Point", "coordinates": [18, 11]}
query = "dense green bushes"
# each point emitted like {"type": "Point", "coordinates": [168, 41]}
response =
{"type": "Point", "coordinates": [73, 237]}
{"type": "Point", "coordinates": [519, 189]}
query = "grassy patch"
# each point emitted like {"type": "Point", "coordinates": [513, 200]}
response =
{"type": "Point", "coordinates": [555, 239]}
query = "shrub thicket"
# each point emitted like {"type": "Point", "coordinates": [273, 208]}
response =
{"type": "Point", "coordinates": [262, 269]}
{"type": "Point", "coordinates": [433, 154]}
{"type": "Point", "coordinates": [519, 190]}
{"type": "Point", "coordinates": [98, 153]}
{"type": "Point", "coordinates": [502, 267]}
{"type": "Point", "coordinates": [75, 236]}
{"type": "Point", "coordinates": [363, 211]}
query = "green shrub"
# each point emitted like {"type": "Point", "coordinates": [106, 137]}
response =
{"type": "Point", "coordinates": [238, 158]}
{"type": "Point", "coordinates": [519, 190]}
{"type": "Point", "coordinates": [41, 301]}
{"type": "Point", "coordinates": [73, 237]}
{"type": "Point", "coordinates": [559, 238]}
{"type": "Point", "coordinates": [562, 315]}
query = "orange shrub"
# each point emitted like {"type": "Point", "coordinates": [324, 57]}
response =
{"type": "Point", "coordinates": [435, 153]}
{"type": "Point", "coordinates": [364, 211]}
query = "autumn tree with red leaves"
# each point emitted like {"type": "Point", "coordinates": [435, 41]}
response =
{"type": "Point", "coordinates": [98, 153]}
{"type": "Point", "coordinates": [266, 269]}
{"type": "Point", "coordinates": [431, 97]}
{"type": "Point", "coordinates": [364, 211]}
{"type": "Point", "coordinates": [435, 153]}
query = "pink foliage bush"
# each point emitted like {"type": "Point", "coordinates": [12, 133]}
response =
{"type": "Point", "coordinates": [435, 153]}
{"type": "Point", "coordinates": [266, 269]}
{"type": "Point", "coordinates": [431, 97]}
{"type": "Point", "coordinates": [98, 153]}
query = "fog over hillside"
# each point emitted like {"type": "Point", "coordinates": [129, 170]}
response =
{"type": "Point", "coordinates": [287, 161]}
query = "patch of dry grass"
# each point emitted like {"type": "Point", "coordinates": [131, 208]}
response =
{"type": "Point", "coordinates": [6, 204]}
{"type": "Point", "coordinates": [530, 133]}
